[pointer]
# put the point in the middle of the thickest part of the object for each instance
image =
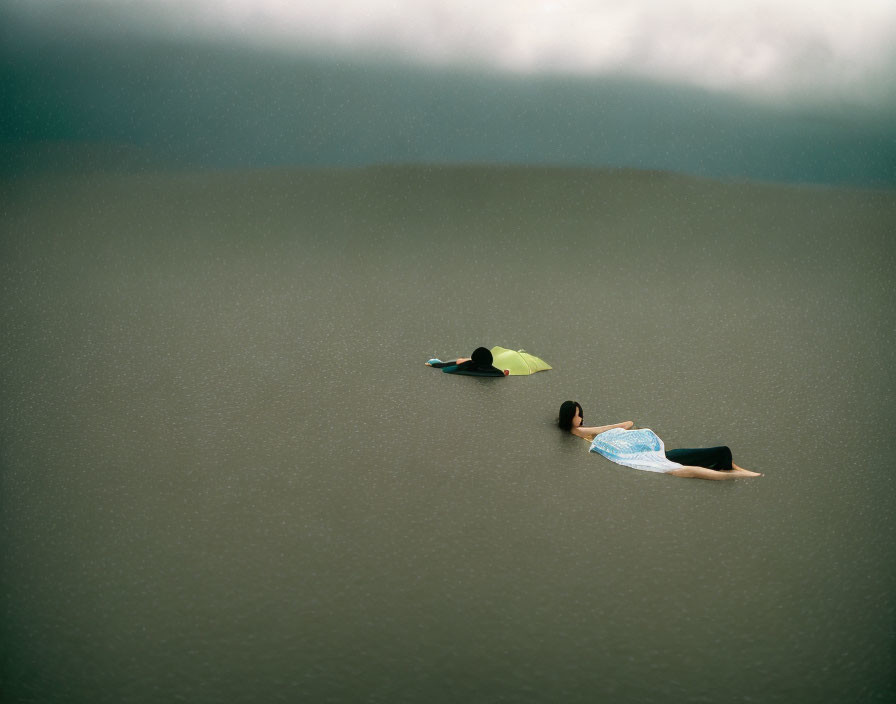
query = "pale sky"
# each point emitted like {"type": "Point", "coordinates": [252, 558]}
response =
{"type": "Point", "coordinates": [778, 49]}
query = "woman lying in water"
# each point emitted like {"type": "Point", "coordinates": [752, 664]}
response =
{"type": "Point", "coordinates": [480, 364]}
{"type": "Point", "coordinates": [642, 449]}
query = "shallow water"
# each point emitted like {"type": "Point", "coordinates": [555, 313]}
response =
{"type": "Point", "coordinates": [227, 474]}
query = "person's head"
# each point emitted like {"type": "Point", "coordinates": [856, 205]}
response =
{"type": "Point", "coordinates": [482, 356]}
{"type": "Point", "coordinates": [570, 416]}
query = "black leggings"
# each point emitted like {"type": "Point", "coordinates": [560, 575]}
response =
{"type": "Point", "coordinates": [709, 457]}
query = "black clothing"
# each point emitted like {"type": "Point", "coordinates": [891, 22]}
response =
{"type": "Point", "coordinates": [710, 457]}
{"type": "Point", "coordinates": [470, 367]}
{"type": "Point", "coordinates": [440, 365]}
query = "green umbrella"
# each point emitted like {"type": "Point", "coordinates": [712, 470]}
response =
{"type": "Point", "coordinates": [518, 363]}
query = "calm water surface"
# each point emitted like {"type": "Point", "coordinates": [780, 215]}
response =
{"type": "Point", "coordinates": [228, 476]}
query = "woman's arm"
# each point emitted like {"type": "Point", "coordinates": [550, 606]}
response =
{"type": "Point", "coordinates": [440, 365]}
{"type": "Point", "coordinates": [590, 432]}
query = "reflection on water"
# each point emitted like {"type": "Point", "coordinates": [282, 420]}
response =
{"type": "Point", "coordinates": [227, 473]}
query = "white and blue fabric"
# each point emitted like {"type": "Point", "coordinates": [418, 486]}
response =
{"type": "Point", "coordinates": [639, 449]}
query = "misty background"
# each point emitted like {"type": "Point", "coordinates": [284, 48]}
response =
{"type": "Point", "coordinates": [143, 84]}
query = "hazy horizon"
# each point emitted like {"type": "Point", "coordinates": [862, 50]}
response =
{"type": "Point", "coordinates": [208, 101]}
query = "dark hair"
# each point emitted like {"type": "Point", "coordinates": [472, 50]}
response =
{"type": "Point", "coordinates": [482, 357]}
{"type": "Point", "coordinates": [567, 413]}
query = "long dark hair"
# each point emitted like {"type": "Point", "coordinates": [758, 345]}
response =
{"type": "Point", "coordinates": [567, 413]}
{"type": "Point", "coordinates": [482, 356]}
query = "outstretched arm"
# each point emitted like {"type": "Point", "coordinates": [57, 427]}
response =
{"type": "Point", "coordinates": [589, 432]}
{"type": "Point", "coordinates": [440, 365]}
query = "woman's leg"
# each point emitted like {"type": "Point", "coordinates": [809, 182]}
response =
{"type": "Point", "coordinates": [704, 473]}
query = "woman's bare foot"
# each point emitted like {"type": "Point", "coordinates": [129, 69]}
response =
{"type": "Point", "coordinates": [748, 472]}
{"type": "Point", "coordinates": [740, 472]}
